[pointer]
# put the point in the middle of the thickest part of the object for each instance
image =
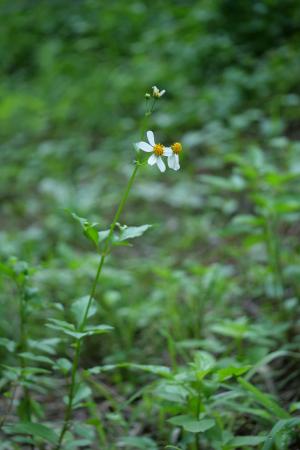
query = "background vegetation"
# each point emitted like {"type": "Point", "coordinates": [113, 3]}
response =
{"type": "Point", "coordinates": [205, 306]}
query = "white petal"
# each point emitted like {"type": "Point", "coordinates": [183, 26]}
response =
{"type": "Point", "coordinates": [168, 151]}
{"type": "Point", "coordinates": [162, 92]}
{"type": "Point", "coordinates": [177, 166]}
{"type": "Point", "coordinates": [150, 137]}
{"type": "Point", "coordinates": [160, 164]}
{"type": "Point", "coordinates": [172, 161]}
{"type": "Point", "coordinates": [152, 160]}
{"type": "Point", "coordinates": [144, 146]}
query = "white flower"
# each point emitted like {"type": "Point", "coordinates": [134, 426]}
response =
{"type": "Point", "coordinates": [157, 93]}
{"type": "Point", "coordinates": [157, 150]}
{"type": "Point", "coordinates": [173, 157]}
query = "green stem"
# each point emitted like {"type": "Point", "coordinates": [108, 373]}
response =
{"type": "Point", "coordinates": [68, 412]}
{"type": "Point", "coordinates": [23, 348]}
{"type": "Point", "coordinates": [273, 249]}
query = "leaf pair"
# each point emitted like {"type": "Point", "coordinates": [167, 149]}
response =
{"type": "Point", "coordinates": [70, 330]}
{"type": "Point", "coordinates": [120, 236]}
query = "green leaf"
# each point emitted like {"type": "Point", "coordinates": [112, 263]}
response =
{"type": "Point", "coordinates": [79, 306]}
{"type": "Point", "coordinates": [89, 229]}
{"type": "Point", "coordinates": [189, 423]}
{"type": "Point", "coordinates": [92, 234]}
{"type": "Point", "coordinates": [124, 233]}
{"type": "Point", "coordinates": [44, 345]}
{"type": "Point", "coordinates": [231, 371]}
{"type": "Point", "coordinates": [278, 428]}
{"type": "Point", "coordinates": [162, 371]}
{"type": "Point", "coordinates": [294, 407]}
{"type": "Point", "coordinates": [69, 329]}
{"type": "Point", "coordinates": [264, 400]}
{"type": "Point", "coordinates": [82, 392]}
{"type": "Point", "coordinates": [33, 357]}
{"type": "Point", "coordinates": [34, 429]}
{"type": "Point", "coordinates": [133, 232]}
{"type": "Point", "coordinates": [63, 365]}
{"type": "Point", "coordinates": [8, 344]}
{"type": "Point", "coordinates": [142, 443]}
{"type": "Point", "coordinates": [96, 329]}
{"type": "Point", "coordinates": [242, 441]}
{"type": "Point", "coordinates": [6, 270]}
{"type": "Point", "coordinates": [102, 235]}
{"type": "Point", "coordinates": [173, 447]}
{"type": "Point", "coordinates": [203, 364]}
{"type": "Point", "coordinates": [61, 325]}
{"type": "Point", "coordinates": [266, 360]}
{"type": "Point", "coordinates": [172, 392]}
{"type": "Point", "coordinates": [75, 444]}
{"type": "Point", "coordinates": [234, 329]}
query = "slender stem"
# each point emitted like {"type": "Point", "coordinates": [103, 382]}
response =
{"type": "Point", "coordinates": [78, 344]}
{"type": "Point", "coordinates": [68, 412]}
{"type": "Point", "coordinates": [23, 348]}
{"type": "Point", "coordinates": [273, 250]}
{"type": "Point", "coordinates": [108, 242]}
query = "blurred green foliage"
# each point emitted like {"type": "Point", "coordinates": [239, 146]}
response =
{"type": "Point", "coordinates": [215, 282]}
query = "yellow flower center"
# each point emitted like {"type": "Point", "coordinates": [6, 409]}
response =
{"type": "Point", "coordinates": [158, 149]}
{"type": "Point", "coordinates": [176, 147]}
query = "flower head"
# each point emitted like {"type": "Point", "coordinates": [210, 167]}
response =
{"type": "Point", "coordinates": [157, 93]}
{"type": "Point", "coordinates": [157, 150]}
{"type": "Point", "coordinates": [173, 156]}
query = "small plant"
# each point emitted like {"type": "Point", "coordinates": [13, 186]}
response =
{"type": "Point", "coordinates": [26, 378]}
{"type": "Point", "coordinates": [104, 242]}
